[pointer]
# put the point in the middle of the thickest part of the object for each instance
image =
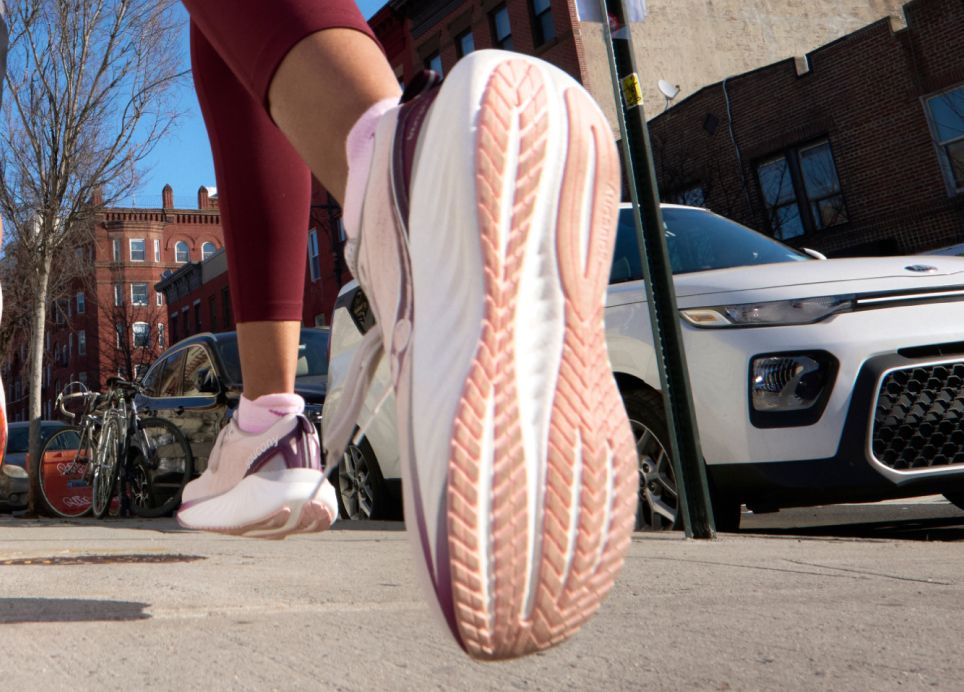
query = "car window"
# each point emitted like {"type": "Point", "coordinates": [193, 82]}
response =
{"type": "Point", "coordinates": [200, 378]}
{"type": "Point", "coordinates": [312, 354]}
{"type": "Point", "coordinates": [153, 377]}
{"type": "Point", "coordinates": [18, 439]}
{"type": "Point", "coordinates": [169, 381]}
{"type": "Point", "coordinates": [698, 240]}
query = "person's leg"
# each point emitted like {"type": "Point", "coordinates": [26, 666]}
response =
{"type": "Point", "coordinates": [264, 189]}
{"type": "Point", "coordinates": [264, 475]}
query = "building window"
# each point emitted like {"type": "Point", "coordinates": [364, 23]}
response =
{"type": "Point", "coordinates": [314, 260]}
{"type": "Point", "coordinates": [116, 250]}
{"type": "Point", "coordinates": [158, 298]}
{"type": "Point", "coordinates": [207, 250]}
{"type": "Point", "coordinates": [70, 347]}
{"type": "Point", "coordinates": [693, 196]}
{"type": "Point", "coordinates": [172, 318]}
{"type": "Point", "coordinates": [186, 320]}
{"type": "Point", "coordinates": [501, 31]}
{"type": "Point", "coordinates": [464, 43]}
{"type": "Point", "coordinates": [181, 252]}
{"type": "Point", "coordinates": [81, 303]}
{"type": "Point", "coordinates": [212, 312]}
{"type": "Point", "coordinates": [60, 311]}
{"type": "Point", "coordinates": [543, 28]}
{"type": "Point", "coordinates": [82, 343]}
{"type": "Point", "coordinates": [197, 315]}
{"type": "Point", "coordinates": [142, 334]}
{"type": "Point", "coordinates": [160, 335]}
{"type": "Point", "coordinates": [138, 249]}
{"type": "Point", "coordinates": [118, 295]}
{"type": "Point", "coordinates": [157, 250]}
{"type": "Point", "coordinates": [82, 378]}
{"type": "Point", "coordinates": [138, 293]}
{"type": "Point", "coordinates": [802, 191]}
{"type": "Point", "coordinates": [946, 114]}
{"type": "Point", "coordinates": [434, 62]}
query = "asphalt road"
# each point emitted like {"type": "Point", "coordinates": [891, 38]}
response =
{"type": "Point", "coordinates": [874, 603]}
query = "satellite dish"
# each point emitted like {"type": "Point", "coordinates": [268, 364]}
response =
{"type": "Point", "coordinates": [668, 90]}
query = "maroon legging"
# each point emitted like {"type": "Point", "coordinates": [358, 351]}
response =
{"type": "Point", "coordinates": [264, 187]}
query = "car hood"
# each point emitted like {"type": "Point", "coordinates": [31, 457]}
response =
{"type": "Point", "coordinates": [789, 280]}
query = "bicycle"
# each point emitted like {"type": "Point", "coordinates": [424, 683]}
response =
{"type": "Point", "coordinates": [65, 464]}
{"type": "Point", "coordinates": [143, 461]}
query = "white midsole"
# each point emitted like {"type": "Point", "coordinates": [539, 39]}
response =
{"type": "Point", "coordinates": [258, 497]}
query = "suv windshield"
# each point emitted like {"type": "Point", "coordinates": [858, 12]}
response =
{"type": "Point", "coordinates": [312, 356]}
{"type": "Point", "coordinates": [698, 240]}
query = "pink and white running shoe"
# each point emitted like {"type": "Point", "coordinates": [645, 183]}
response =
{"type": "Point", "coordinates": [267, 485]}
{"type": "Point", "coordinates": [484, 247]}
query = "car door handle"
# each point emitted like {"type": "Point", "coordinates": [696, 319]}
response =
{"type": "Point", "coordinates": [179, 410]}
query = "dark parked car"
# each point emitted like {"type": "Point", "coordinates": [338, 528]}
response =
{"type": "Point", "coordinates": [196, 384]}
{"type": "Point", "coordinates": [14, 481]}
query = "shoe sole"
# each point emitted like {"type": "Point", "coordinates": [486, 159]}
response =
{"type": "Point", "coordinates": [540, 498]}
{"type": "Point", "coordinates": [271, 505]}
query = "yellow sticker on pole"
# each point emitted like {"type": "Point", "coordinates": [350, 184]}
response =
{"type": "Point", "coordinates": [632, 93]}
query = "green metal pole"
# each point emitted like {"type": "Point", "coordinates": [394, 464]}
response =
{"type": "Point", "coordinates": [694, 497]}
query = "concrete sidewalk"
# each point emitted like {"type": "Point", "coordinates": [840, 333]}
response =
{"type": "Point", "coordinates": [137, 604]}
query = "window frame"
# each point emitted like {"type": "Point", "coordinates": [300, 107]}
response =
{"type": "Point", "coordinates": [539, 37]}
{"type": "Point", "coordinates": [954, 187]}
{"type": "Point", "coordinates": [205, 255]}
{"type": "Point", "coordinates": [146, 336]}
{"type": "Point", "coordinates": [802, 197]}
{"type": "Point", "coordinates": [81, 302]}
{"type": "Point", "coordinates": [177, 250]}
{"type": "Point", "coordinates": [134, 300]}
{"type": "Point", "coordinates": [460, 43]}
{"type": "Point", "coordinates": [502, 42]}
{"type": "Point", "coordinates": [157, 250]}
{"type": "Point", "coordinates": [82, 342]}
{"type": "Point", "coordinates": [143, 250]}
{"type": "Point", "coordinates": [314, 256]}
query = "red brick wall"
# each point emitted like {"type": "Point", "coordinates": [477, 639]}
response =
{"type": "Point", "coordinates": [865, 94]}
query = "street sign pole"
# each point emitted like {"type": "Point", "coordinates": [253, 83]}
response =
{"type": "Point", "coordinates": [694, 498]}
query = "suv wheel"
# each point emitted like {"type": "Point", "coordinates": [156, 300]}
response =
{"type": "Point", "coordinates": [658, 505]}
{"type": "Point", "coordinates": [361, 486]}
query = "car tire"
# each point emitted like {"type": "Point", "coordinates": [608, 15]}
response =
{"type": "Point", "coordinates": [362, 492]}
{"type": "Point", "coordinates": [658, 507]}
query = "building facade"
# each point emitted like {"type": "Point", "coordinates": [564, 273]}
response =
{"type": "Point", "coordinates": [857, 148]}
{"type": "Point", "coordinates": [114, 321]}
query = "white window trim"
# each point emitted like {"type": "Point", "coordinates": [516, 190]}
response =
{"type": "Point", "coordinates": [187, 249]}
{"type": "Point", "coordinates": [118, 295]}
{"type": "Point", "coordinates": [116, 249]}
{"type": "Point", "coordinates": [158, 298]}
{"type": "Point", "coordinates": [130, 249]}
{"type": "Point", "coordinates": [147, 335]}
{"type": "Point", "coordinates": [157, 250]}
{"type": "Point", "coordinates": [146, 289]}
{"type": "Point", "coordinates": [82, 343]}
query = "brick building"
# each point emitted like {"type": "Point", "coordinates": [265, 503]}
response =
{"type": "Point", "coordinates": [689, 43]}
{"type": "Point", "coordinates": [856, 148]}
{"type": "Point", "coordinates": [113, 320]}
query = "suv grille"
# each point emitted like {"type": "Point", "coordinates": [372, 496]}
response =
{"type": "Point", "coordinates": [918, 417]}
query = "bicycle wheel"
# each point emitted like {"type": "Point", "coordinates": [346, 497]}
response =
{"type": "Point", "coordinates": [62, 473]}
{"type": "Point", "coordinates": [105, 468]}
{"type": "Point", "coordinates": [161, 465]}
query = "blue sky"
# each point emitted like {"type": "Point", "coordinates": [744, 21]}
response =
{"type": "Point", "coordinates": [183, 159]}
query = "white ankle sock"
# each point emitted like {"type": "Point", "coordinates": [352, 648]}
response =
{"type": "Point", "coordinates": [257, 416]}
{"type": "Point", "coordinates": [359, 147]}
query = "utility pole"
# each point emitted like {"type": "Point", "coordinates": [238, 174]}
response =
{"type": "Point", "coordinates": [694, 498]}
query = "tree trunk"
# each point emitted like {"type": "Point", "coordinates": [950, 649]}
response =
{"type": "Point", "coordinates": [38, 323]}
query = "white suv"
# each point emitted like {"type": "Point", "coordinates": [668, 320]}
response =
{"type": "Point", "coordinates": [815, 381]}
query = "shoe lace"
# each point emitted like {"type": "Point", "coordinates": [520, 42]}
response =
{"type": "Point", "coordinates": [340, 424]}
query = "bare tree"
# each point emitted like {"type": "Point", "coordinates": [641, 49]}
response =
{"type": "Point", "coordinates": [90, 93]}
{"type": "Point", "coordinates": [135, 340]}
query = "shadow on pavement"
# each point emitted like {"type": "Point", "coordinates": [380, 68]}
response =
{"type": "Point", "coordinates": [934, 529]}
{"type": "Point", "coordinates": [23, 610]}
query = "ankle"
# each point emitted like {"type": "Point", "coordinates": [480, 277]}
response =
{"type": "Point", "coordinates": [257, 416]}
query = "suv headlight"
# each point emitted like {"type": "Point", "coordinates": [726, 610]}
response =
{"type": "Point", "coordinates": [771, 313]}
{"type": "Point", "coordinates": [790, 389]}
{"type": "Point", "coordinates": [13, 471]}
